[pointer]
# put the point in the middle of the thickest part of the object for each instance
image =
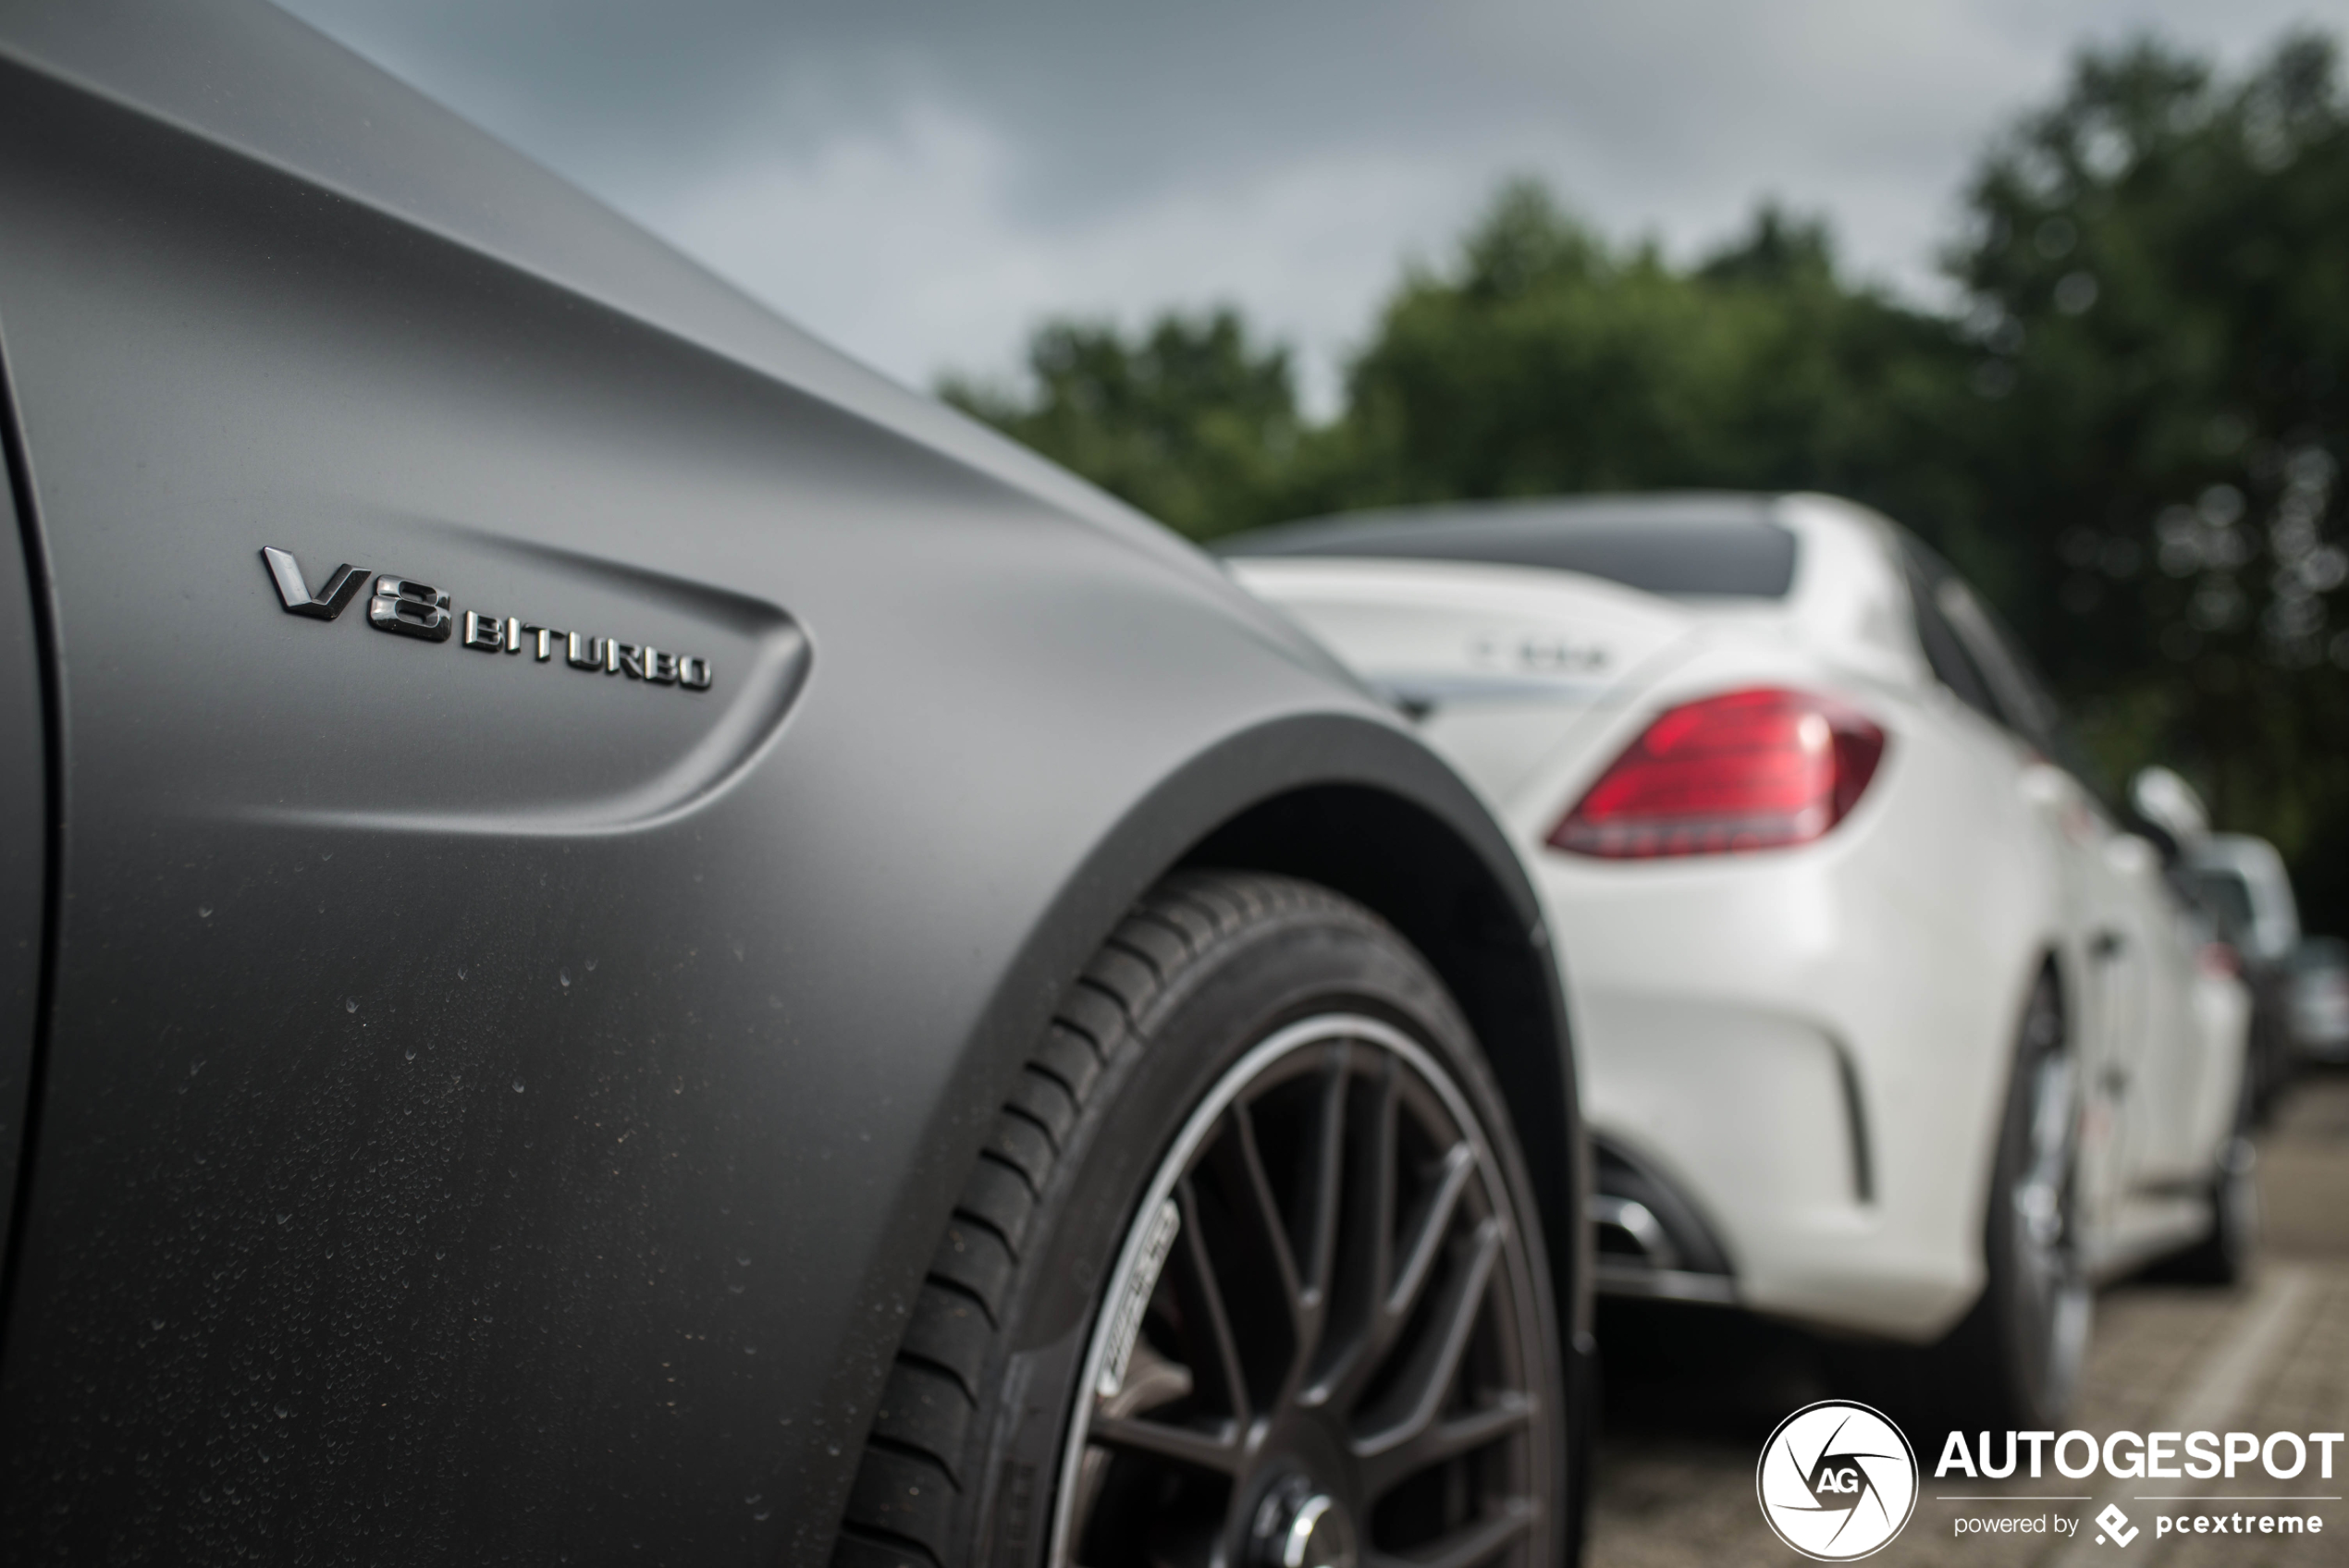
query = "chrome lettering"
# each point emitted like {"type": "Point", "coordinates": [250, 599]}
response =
{"type": "Point", "coordinates": [295, 594]}
{"type": "Point", "coordinates": [411, 609]}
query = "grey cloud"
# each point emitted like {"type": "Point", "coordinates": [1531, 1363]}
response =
{"type": "Point", "coordinates": [1046, 154]}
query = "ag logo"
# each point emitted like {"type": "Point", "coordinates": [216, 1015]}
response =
{"type": "Point", "coordinates": [1837, 1480]}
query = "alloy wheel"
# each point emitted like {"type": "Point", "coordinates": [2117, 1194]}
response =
{"type": "Point", "coordinates": [1319, 1343]}
{"type": "Point", "coordinates": [2055, 1299]}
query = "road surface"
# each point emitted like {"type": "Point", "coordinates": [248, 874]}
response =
{"type": "Point", "coordinates": [1691, 1395]}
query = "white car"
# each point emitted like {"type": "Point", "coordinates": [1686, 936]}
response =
{"type": "Point", "coordinates": [2319, 999]}
{"type": "Point", "coordinates": [2248, 894]}
{"type": "Point", "coordinates": [1886, 1024]}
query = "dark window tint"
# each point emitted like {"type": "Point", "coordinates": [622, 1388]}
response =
{"type": "Point", "coordinates": [1944, 649]}
{"type": "Point", "coordinates": [2227, 896]}
{"type": "Point", "coordinates": [1979, 659]}
{"type": "Point", "coordinates": [2020, 692]}
{"type": "Point", "coordinates": [1700, 546]}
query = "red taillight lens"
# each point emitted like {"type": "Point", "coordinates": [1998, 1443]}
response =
{"type": "Point", "coordinates": [1746, 770]}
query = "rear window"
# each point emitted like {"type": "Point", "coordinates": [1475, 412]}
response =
{"type": "Point", "coordinates": [2228, 898]}
{"type": "Point", "coordinates": [1698, 548]}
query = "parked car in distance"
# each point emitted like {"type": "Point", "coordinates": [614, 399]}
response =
{"type": "Point", "coordinates": [625, 942]}
{"type": "Point", "coordinates": [2243, 888]}
{"type": "Point", "coordinates": [2249, 891]}
{"type": "Point", "coordinates": [2319, 970]}
{"type": "Point", "coordinates": [1888, 1023]}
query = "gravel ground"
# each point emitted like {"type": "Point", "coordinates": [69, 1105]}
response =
{"type": "Point", "coordinates": [1691, 1395]}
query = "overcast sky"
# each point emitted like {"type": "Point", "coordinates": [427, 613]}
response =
{"type": "Point", "coordinates": [921, 182]}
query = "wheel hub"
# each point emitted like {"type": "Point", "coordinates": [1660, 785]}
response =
{"type": "Point", "coordinates": [1300, 1525]}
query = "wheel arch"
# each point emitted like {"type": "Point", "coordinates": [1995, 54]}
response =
{"type": "Point", "coordinates": [1360, 805]}
{"type": "Point", "coordinates": [1470, 910]}
{"type": "Point", "coordinates": [2050, 959]}
{"type": "Point", "coordinates": [2038, 962]}
{"type": "Point", "coordinates": [1406, 862]}
{"type": "Point", "coordinates": [1355, 803]}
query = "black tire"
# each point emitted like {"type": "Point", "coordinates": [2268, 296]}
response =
{"type": "Point", "coordinates": [2015, 1358]}
{"type": "Point", "coordinates": [2223, 1255]}
{"type": "Point", "coordinates": [1205, 979]}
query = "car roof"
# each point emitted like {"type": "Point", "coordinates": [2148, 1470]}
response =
{"type": "Point", "coordinates": [1699, 544]}
{"type": "Point", "coordinates": [1845, 597]}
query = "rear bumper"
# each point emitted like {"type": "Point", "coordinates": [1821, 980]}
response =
{"type": "Point", "coordinates": [1764, 1043]}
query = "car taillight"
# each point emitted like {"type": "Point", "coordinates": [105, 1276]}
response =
{"type": "Point", "coordinates": [1745, 770]}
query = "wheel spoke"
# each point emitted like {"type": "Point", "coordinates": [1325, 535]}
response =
{"type": "Point", "coordinates": [1329, 1180]}
{"type": "Point", "coordinates": [1427, 1242]}
{"type": "Point", "coordinates": [1263, 1212]}
{"type": "Point", "coordinates": [1384, 1161]}
{"type": "Point", "coordinates": [1419, 1393]}
{"type": "Point", "coordinates": [1441, 1441]}
{"type": "Point", "coordinates": [1468, 1547]}
{"type": "Point", "coordinates": [1161, 1439]}
{"type": "Point", "coordinates": [1202, 1298]}
{"type": "Point", "coordinates": [1363, 1243]}
{"type": "Point", "coordinates": [1395, 1306]}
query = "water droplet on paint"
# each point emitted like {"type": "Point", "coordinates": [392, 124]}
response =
{"type": "Point", "coordinates": [518, 1085]}
{"type": "Point", "coordinates": [563, 975]}
{"type": "Point", "coordinates": [350, 1004]}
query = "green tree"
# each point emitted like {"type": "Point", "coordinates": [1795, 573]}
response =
{"type": "Point", "coordinates": [1544, 360]}
{"type": "Point", "coordinates": [2158, 267]}
{"type": "Point", "coordinates": [1188, 420]}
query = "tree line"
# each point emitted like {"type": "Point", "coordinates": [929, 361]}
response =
{"type": "Point", "coordinates": [2128, 431]}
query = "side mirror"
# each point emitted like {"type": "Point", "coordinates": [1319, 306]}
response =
{"type": "Point", "coordinates": [2168, 810]}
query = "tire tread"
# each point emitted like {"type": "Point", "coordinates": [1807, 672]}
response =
{"type": "Point", "coordinates": [900, 1509]}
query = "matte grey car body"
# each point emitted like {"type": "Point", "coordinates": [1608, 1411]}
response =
{"type": "Point", "coordinates": [464, 1106]}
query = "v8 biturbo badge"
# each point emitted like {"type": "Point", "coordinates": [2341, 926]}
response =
{"type": "Point", "coordinates": [408, 608]}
